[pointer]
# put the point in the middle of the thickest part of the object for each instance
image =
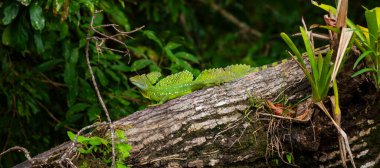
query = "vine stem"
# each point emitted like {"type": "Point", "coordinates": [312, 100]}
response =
{"type": "Point", "coordinates": [88, 39]}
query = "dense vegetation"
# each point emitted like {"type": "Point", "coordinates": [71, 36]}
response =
{"type": "Point", "coordinates": [45, 88]}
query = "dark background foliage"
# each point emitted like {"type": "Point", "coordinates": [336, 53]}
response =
{"type": "Point", "coordinates": [45, 89]}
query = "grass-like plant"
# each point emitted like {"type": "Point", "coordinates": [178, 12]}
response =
{"type": "Point", "coordinates": [321, 69]}
{"type": "Point", "coordinates": [370, 46]}
{"type": "Point", "coordinates": [322, 73]}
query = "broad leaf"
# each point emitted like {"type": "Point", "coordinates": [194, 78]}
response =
{"type": "Point", "coordinates": [37, 17]}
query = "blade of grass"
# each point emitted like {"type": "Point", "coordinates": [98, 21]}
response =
{"type": "Point", "coordinates": [320, 64]}
{"type": "Point", "coordinates": [293, 47]}
{"type": "Point", "coordinates": [362, 56]}
{"type": "Point", "coordinates": [310, 53]}
{"type": "Point", "coordinates": [362, 71]}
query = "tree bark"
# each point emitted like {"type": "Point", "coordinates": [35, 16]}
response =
{"type": "Point", "coordinates": [219, 126]}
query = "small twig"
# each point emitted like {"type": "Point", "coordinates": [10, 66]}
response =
{"type": "Point", "coordinates": [18, 149]}
{"type": "Point", "coordinates": [97, 90]}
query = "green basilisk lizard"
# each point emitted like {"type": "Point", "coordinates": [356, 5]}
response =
{"type": "Point", "coordinates": [183, 83]}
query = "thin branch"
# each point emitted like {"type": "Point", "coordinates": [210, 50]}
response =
{"type": "Point", "coordinates": [18, 149]}
{"type": "Point", "coordinates": [97, 90]}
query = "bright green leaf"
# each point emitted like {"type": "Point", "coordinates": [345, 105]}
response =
{"type": "Point", "coordinates": [373, 23]}
{"type": "Point", "coordinates": [121, 165]}
{"type": "Point", "coordinates": [140, 64]}
{"type": "Point", "coordinates": [94, 141]}
{"type": "Point", "coordinates": [120, 134]}
{"type": "Point", "coordinates": [71, 135]}
{"type": "Point", "coordinates": [37, 17]}
{"type": "Point", "coordinates": [289, 158]}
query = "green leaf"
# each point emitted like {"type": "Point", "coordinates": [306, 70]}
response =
{"type": "Point", "coordinates": [71, 135]}
{"type": "Point", "coordinates": [37, 17]}
{"type": "Point", "coordinates": [118, 15]}
{"type": "Point", "coordinates": [15, 35]}
{"type": "Point", "coordinates": [102, 78]}
{"type": "Point", "coordinates": [113, 75]}
{"type": "Point", "coordinates": [172, 46]}
{"type": "Point", "coordinates": [10, 12]}
{"type": "Point", "coordinates": [124, 150]}
{"type": "Point", "coordinates": [320, 65]}
{"type": "Point", "coordinates": [325, 7]}
{"type": "Point", "coordinates": [121, 67]}
{"type": "Point", "coordinates": [289, 158]}
{"type": "Point", "coordinates": [187, 56]}
{"type": "Point", "coordinates": [70, 78]}
{"type": "Point", "coordinates": [294, 49]}
{"type": "Point", "coordinates": [38, 43]}
{"type": "Point", "coordinates": [150, 34]}
{"type": "Point", "coordinates": [140, 64]}
{"type": "Point", "coordinates": [121, 165]}
{"type": "Point", "coordinates": [362, 56]}
{"type": "Point", "coordinates": [373, 23]}
{"type": "Point", "coordinates": [310, 53]}
{"type": "Point", "coordinates": [87, 92]}
{"type": "Point", "coordinates": [95, 141]}
{"type": "Point", "coordinates": [363, 71]}
{"type": "Point", "coordinates": [7, 36]}
{"type": "Point", "coordinates": [120, 134]}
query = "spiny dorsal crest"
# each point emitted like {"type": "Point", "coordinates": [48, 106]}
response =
{"type": "Point", "coordinates": [209, 76]}
{"type": "Point", "coordinates": [238, 69]}
{"type": "Point", "coordinates": [179, 78]}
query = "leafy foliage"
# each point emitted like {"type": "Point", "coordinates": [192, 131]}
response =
{"type": "Point", "coordinates": [95, 146]}
{"type": "Point", "coordinates": [370, 46]}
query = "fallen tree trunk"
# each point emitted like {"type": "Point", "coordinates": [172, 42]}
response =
{"type": "Point", "coordinates": [215, 126]}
